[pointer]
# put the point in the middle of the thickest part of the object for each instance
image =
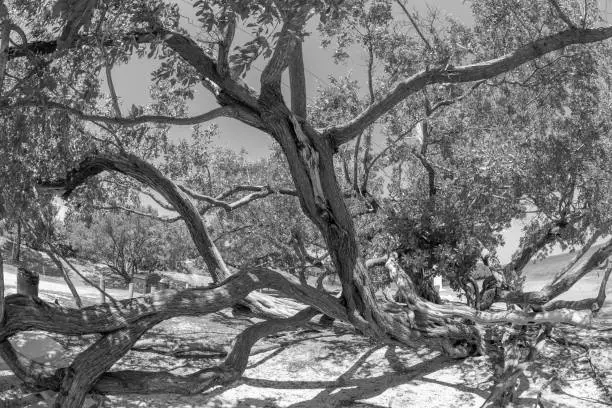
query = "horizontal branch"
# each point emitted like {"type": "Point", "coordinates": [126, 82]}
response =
{"type": "Point", "coordinates": [230, 111]}
{"type": "Point", "coordinates": [258, 192]}
{"type": "Point", "coordinates": [26, 313]}
{"type": "Point", "coordinates": [445, 311]}
{"type": "Point", "coordinates": [467, 73]}
{"type": "Point", "coordinates": [139, 213]}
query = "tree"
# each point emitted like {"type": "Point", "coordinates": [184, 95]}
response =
{"type": "Point", "coordinates": [58, 85]}
{"type": "Point", "coordinates": [126, 243]}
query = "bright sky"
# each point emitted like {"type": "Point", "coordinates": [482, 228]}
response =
{"type": "Point", "coordinates": [132, 81]}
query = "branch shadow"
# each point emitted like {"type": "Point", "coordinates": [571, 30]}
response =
{"type": "Point", "coordinates": [345, 389]}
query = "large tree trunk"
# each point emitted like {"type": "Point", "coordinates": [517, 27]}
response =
{"type": "Point", "coordinates": [310, 159]}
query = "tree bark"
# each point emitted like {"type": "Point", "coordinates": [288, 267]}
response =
{"type": "Point", "coordinates": [17, 245]}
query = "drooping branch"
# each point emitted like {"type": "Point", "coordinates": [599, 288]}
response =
{"type": "Point", "coordinates": [467, 73]}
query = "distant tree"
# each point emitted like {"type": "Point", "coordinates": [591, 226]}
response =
{"type": "Point", "coordinates": [127, 243]}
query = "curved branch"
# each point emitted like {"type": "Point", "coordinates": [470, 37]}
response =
{"type": "Point", "coordinates": [467, 73]}
{"type": "Point", "coordinates": [144, 172]}
{"type": "Point", "coordinates": [223, 111]}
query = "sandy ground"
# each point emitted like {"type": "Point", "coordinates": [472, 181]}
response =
{"type": "Point", "coordinates": [322, 369]}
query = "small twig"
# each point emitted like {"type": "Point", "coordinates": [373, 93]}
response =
{"type": "Point", "coordinates": [562, 14]}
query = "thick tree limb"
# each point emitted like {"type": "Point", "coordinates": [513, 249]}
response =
{"type": "Point", "coordinates": [297, 81]}
{"type": "Point", "coordinates": [117, 344]}
{"type": "Point", "coordinates": [466, 73]}
{"type": "Point", "coordinates": [223, 67]}
{"type": "Point", "coordinates": [25, 313]}
{"type": "Point", "coordinates": [90, 364]}
{"type": "Point", "coordinates": [283, 52]}
{"type": "Point", "coordinates": [5, 32]}
{"type": "Point", "coordinates": [229, 371]}
{"type": "Point", "coordinates": [147, 174]}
